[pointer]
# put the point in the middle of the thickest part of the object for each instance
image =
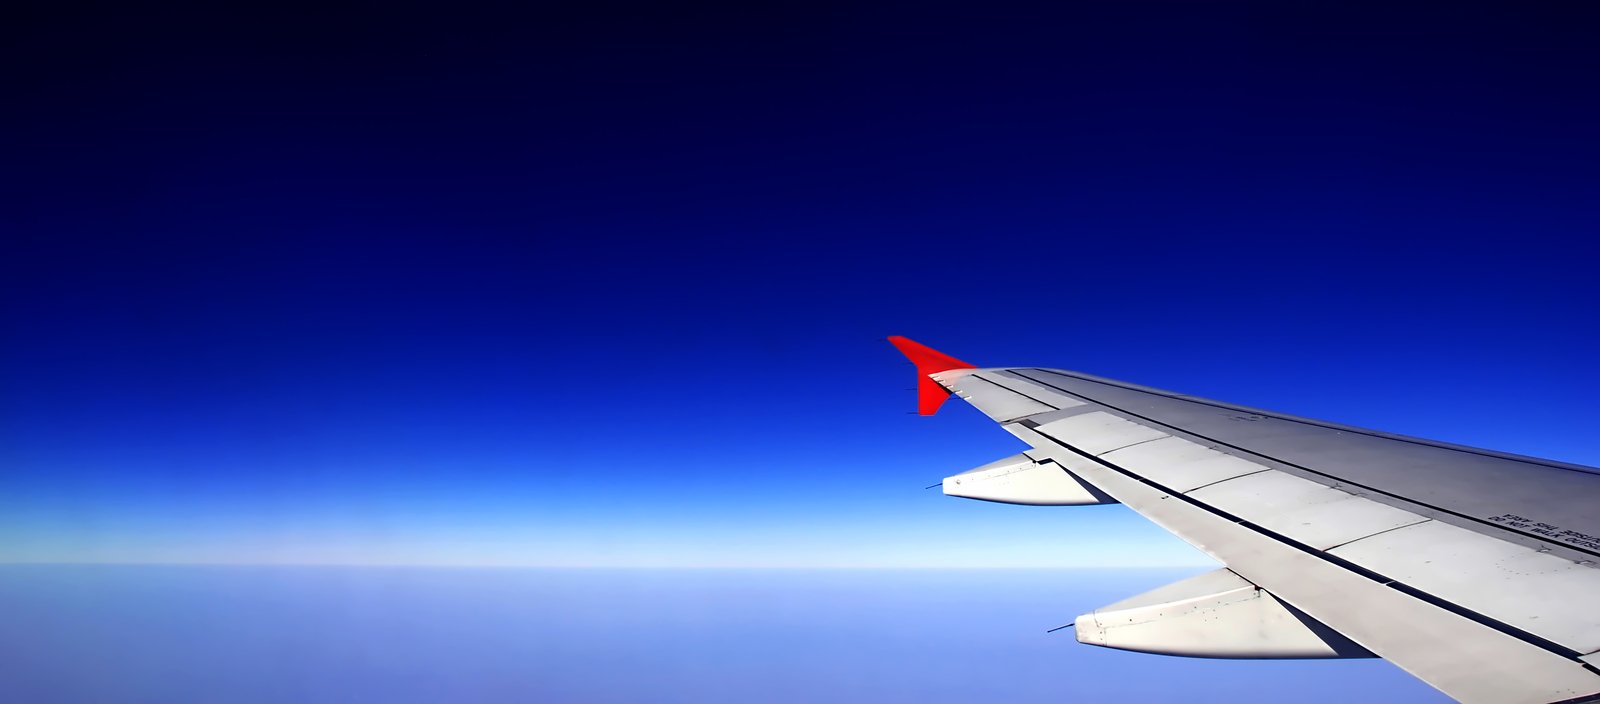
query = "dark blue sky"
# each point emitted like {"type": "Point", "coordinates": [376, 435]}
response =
{"type": "Point", "coordinates": [608, 284]}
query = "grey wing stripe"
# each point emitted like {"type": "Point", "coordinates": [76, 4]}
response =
{"type": "Point", "coordinates": [1423, 442]}
{"type": "Point", "coordinates": [1494, 529]}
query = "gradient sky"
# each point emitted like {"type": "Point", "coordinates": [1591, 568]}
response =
{"type": "Point", "coordinates": [606, 285]}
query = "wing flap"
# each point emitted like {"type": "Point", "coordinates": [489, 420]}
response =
{"type": "Point", "coordinates": [1528, 591]}
{"type": "Point", "coordinates": [1305, 511]}
{"type": "Point", "coordinates": [1182, 465]}
{"type": "Point", "coordinates": [1465, 658]}
{"type": "Point", "coordinates": [1098, 432]}
{"type": "Point", "coordinates": [1550, 597]}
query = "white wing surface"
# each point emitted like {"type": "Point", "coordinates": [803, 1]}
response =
{"type": "Point", "coordinates": [1475, 571]}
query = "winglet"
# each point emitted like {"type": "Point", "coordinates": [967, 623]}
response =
{"type": "Point", "coordinates": [930, 395]}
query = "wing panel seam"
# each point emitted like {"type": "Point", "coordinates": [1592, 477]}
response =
{"type": "Point", "coordinates": [1421, 520]}
{"type": "Point", "coordinates": [1229, 479]}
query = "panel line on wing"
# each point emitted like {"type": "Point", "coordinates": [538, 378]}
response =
{"type": "Point", "coordinates": [1135, 444]}
{"type": "Point", "coordinates": [1374, 535]}
{"type": "Point", "coordinates": [1229, 479]}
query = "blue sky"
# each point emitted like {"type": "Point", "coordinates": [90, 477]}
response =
{"type": "Point", "coordinates": [599, 288]}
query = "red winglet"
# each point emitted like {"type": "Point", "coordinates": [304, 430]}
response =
{"type": "Point", "coordinates": [930, 395]}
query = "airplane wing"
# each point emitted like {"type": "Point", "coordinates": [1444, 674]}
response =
{"type": "Point", "coordinates": [1475, 571]}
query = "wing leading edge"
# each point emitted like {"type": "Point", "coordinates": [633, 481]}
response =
{"type": "Point", "coordinates": [1472, 570]}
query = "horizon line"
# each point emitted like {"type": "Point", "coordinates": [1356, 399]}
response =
{"type": "Point", "coordinates": [553, 567]}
